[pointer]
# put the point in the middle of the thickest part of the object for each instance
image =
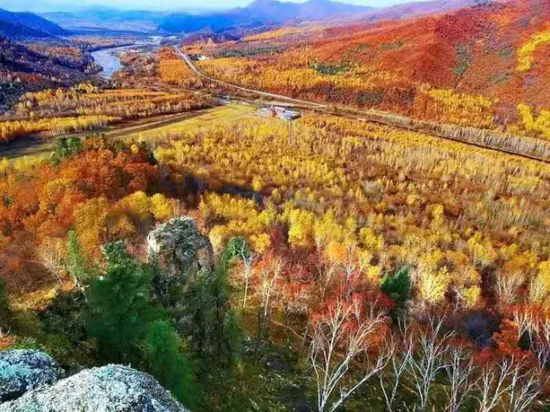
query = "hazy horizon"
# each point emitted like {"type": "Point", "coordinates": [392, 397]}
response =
{"type": "Point", "coordinates": [42, 6]}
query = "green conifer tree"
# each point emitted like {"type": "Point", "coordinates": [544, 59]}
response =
{"type": "Point", "coordinates": [167, 362]}
{"type": "Point", "coordinates": [214, 326]}
{"type": "Point", "coordinates": [130, 328]}
{"type": "Point", "coordinates": [397, 286]}
{"type": "Point", "coordinates": [5, 311]}
{"type": "Point", "coordinates": [77, 266]}
{"type": "Point", "coordinates": [121, 309]}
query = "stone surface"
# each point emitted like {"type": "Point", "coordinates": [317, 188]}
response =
{"type": "Point", "coordinates": [110, 388]}
{"type": "Point", "coordinates": [25, 370]}
{"type": "Point", "coordinates": [179, 248]}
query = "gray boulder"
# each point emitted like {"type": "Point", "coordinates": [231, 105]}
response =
{"type": "Point", "coordinates": [25, 370]}
{"type": "Point", "coordinates": [111, 388]}
{"type": "Point", "coordinates": [179, 248]}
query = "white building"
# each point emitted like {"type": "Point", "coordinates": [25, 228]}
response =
{"type": "Point", "coordinates": [278, 112]}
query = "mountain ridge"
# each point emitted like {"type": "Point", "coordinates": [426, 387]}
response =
{"type": "Point", "coordinates": [260, 13]}
{"type": "Point", "coordinates": [28, 24]}
{"type": "Point", "coordinates": [18, 31]}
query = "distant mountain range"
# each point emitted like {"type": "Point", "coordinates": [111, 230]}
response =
{"type": "Point", "coordinates": [22, 25]}
{"type": "Point", "coordinates": [100, 18]}
{"type": "Point", "coordinates": [17, 31]}
{"type": "Point", "coordinates": [108, 19]}
{"type": "Point", "coordinates": [261, 13]}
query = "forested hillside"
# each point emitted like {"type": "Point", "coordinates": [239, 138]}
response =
{"type": "Point", "coordinates": [481, 66]}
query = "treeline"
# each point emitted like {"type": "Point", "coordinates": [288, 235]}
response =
{"type": "Point", "coordinates": [84, 107]}
{"type": "Point", "coordinates": [15, 129]}
{"type": "Point", "coordinates": [85, 99]}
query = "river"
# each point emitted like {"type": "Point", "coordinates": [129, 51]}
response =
{"type": "Point", "coordinates": [109, 59]}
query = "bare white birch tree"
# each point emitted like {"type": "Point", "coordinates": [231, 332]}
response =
{"type": "Point", "coordinates": [335, 346]}
{"type": "Point", "coordinates": [269, 276]}
{"type": "Point", "coordinates": [527, 323]}
{"type": "Point", "coordinates": [510, 384]}
{"type": "Point", "coordinates": [541, 345]}
{"type": "Point", "coordinates": [248, 259]}
{"type": "Point", "coordinates": [430, 348]}
{"type": "Point", "coordinates": [525, 387]}
{"type": "Point", "coordinates": [400, 356]}
{"type": "Point", "coordinates": [507, 286]}
{"type": "Point", "coordinates": [462, 377]}
{"type": "Point", "coordinates": [326, 278]}
{"type": "Point", "coordinates": [52, 255]}
{"type": "Point", "coordinates": [493, 384]}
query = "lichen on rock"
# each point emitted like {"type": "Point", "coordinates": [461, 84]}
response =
{"type": "Point", "coordinates": [25, 370]}
{"type": "Point", "coordinates": [178, 248]}
{"type": "Point", "coordinates": [107, 389]}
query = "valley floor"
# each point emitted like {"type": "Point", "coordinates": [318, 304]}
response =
{"type": "Point", "coordinates": [145, 129]}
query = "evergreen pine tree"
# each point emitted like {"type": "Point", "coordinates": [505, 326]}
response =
{"type": "Point", "coordinates": [65, 148]}
{"type": "Point", "coordinates": [397, 286]}
{"type": "Point", "coordinates": [5, 311]}
{"type": "Point", "coordinates": [167, 363]}
{"type": "Point", "coordinates": [129, 328]}
{"type": "Point", "coordinates": [214, 327]}
{"type": "Point", "coordinates": [121, 309]}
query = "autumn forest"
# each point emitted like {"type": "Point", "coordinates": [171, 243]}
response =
{"type": "Point", "coordinates": [374, 196]}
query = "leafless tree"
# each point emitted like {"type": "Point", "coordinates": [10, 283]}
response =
{"type": "Point", "coordinates": [248, 263]}
{"type": "Point", "coordinates": [507, 286]}
{"type": "Point", "coordinates": [269, 276]}
{"type": "Point", "coordinates": [52, 255]}
{"type": "Point", "coordinates": [335, 346]}
{"type": "Point", "coordinates": [493, 384]}
{"type": "Point", "coordinates": [400, 356]}
{"type": "Point", "coordinates": [538, 332]}
{"type": "Point", "coordinates": [527, 323]}
{"type": "Point", "coordinates": [542, 345]}
{"type": "Point", "coordinates": [430, 348]}
{"type": "Point", "coordinates": [461, 374]}
{"type": "Point", "coordinates": [326, 277]}
{"type": "Point", "coordinates": [524, 388]}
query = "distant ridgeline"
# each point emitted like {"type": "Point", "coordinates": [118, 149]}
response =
{"type": "Point", "coordinates": [22, 25]}
{"type": "Point", "coordinates": [261, 13]}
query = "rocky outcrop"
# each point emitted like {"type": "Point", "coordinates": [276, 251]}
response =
{"type": "Point", "coordinates": [25, 370]}
{"type": "Point", "coordinates": [179, 248]}
{"type": "Point", "coordinates": [107, 389]}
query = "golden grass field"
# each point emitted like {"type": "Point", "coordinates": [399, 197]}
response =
{"type": "Point", "coordinates": [217, 115]}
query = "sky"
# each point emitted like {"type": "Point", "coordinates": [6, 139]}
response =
{"type": "Point", "coordinates": [39, 6]}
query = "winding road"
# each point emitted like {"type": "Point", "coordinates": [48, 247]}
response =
{"type": "Point", "coordinates": [192, 66]}
{"type": "Point", "coordinates": [532, 148]}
